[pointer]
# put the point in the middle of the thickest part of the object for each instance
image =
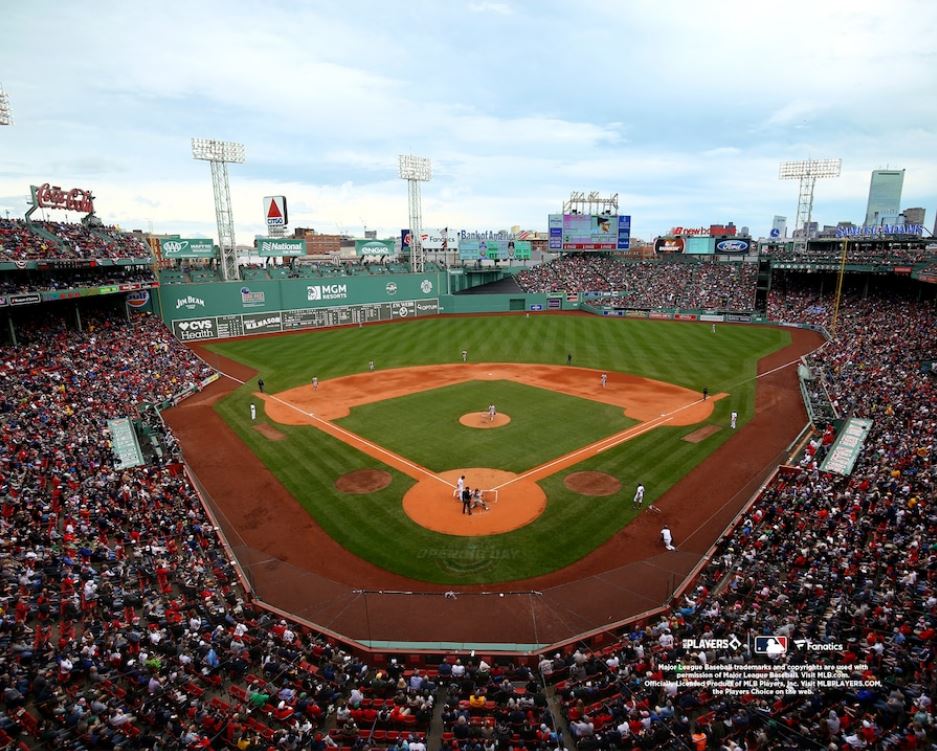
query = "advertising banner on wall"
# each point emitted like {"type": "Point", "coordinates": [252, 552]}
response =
{"type": "Point", "coordinates": [699, 245]}
{"type": "Point", "coordinates": [669, 245]}
{"type": "Point", "coordinates": [500, 250]}
{"type": "Point", "coordinates": [375, 248]}
{"type": "Point", "coordinates": [187, 248]}
{"type": "Point", "coordinates": [733, 245]}
{"type": "Point", "coordinates": [281, 246]}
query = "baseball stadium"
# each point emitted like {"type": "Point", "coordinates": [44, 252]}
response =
{"type": "Point", "coordinates": [553, 489]}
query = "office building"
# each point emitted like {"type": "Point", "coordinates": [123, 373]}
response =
{"type": "Point", "coordinates": [884, 197]}
{"type": "Point", "coordinates": [914, 216]}
{"type": "Point", "coordinates": [779, 224]}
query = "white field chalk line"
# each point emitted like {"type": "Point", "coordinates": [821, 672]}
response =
{"type": "Point", "coordinates": [348, 433]}
{"type": "Point", "coordinates": [613, 440]}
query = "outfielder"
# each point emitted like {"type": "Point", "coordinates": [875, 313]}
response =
{"type": "Point", "coordinates": [667, 537]}
{"type": "Point", "coordinates": [733, 418]}
{"type": "Point", "coordinates": [253, 412]}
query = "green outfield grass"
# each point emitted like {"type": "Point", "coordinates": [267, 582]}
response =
{"type": "Point", "coordinates": [425, 426]}
{"type": "Point", "coordinates": [374, 527]}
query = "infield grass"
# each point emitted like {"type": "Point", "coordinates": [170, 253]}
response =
{"type": "Point", "coordinates": [425, 426]}
{"type": "Point", "coordinates": [375, 527]}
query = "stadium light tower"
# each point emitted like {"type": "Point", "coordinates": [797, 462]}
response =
{"type": "Point", "coordinates": [6, 115]}
{"type": "Point", "coordinates": [219, 154]}
{"type": "Point", "coordinates": [415, 170]}
{"type": "Point", "coordinates": [808, 172]}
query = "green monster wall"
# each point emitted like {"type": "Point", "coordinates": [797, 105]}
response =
{"type": "Point", "coordinates": [226, 309]}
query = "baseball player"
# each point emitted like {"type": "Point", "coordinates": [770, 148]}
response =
{"type": "Point", "coordinates": [260, 384]}
{"type": "Point", "coordinates": [569, 358]}
{"type": "Point", "coordinates": [253, 412]}
{"type": "Point", "coordinates": [459, 487]}
{"type": "Point", "coordinates": [370, 364]}
{"type": "Point", "coordinates": [477, 501]}
{"type": "Point", "coordinates": [638, 495]}
{"type": "Point", "coordinates": [714, 328]}
{"type": "Point", "coordinates": [492, 412]}
{"type": "Point", "coordinates": [705, 393]}
{"type": "Point", "coordinates": [733, 419]}
{"type": "Point", "coordinates": [464, 355]}
{"type": "Point", "coordinates": [667, 537]}
{"type": "Point", "coordinates": [604, 379]}
{"type": "Point", "coordinates": [315, 383]}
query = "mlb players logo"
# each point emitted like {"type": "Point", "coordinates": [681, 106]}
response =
{"type": "Point", "coordinates": [771, 646]}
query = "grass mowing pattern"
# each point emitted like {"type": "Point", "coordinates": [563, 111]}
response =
{"type": "Point", "coordinates": [425, 427]}
{"type": "Point", "coordinates": [374, 526]}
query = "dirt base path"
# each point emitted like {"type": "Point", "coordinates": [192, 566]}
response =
{"type": "Point", "coordinates": [295, 565]}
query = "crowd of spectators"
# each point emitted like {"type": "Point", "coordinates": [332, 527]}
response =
{"type": "Point", "coordinates": [32, 280]}
{"type": "Point", "coordinates": [843, 561]}
{"type": "Point", "coordinates": [864, 253]}
{"type": "Point", "coordinates": [648, 284]}
{"type": "Point", "coordinates": [18, 242]}
{"type": "Point", "coordinates": [124, 625]}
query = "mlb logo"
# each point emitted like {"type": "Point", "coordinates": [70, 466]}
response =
{"type": "Point", "coordinates": [772, 646]}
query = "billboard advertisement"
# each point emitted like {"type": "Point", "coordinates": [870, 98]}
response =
{"type": "Point", "coordinates": [187, 248]}
{"type": "Point", "coordinates": [431, 239]}
{"type": "Point", "coordinates": [281, 246]}
{"type": "Point", "coordinates": [275, 211]}
{"type": "Point", "coordinates": [699, 245]}
{"type": "Point", "coordinates": [589, 232]}
{"type": "Point", "coordinates": [500, 250]}
{"type": "Point", "coordinates": [733, 245]}
{"type": "Point", "coordinates": [670, 245]}
{"type": "Point", "coordinates": [375, 248]}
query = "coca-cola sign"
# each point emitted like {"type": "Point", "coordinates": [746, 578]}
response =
{"type": "Point", "coordinates": [53, 197]}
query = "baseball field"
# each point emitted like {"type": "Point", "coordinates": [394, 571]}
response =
{"type": "Point", "coordinates": [373, 455]}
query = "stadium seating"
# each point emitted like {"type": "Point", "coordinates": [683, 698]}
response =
{"type": "Point", "coordinates": [124, 624]}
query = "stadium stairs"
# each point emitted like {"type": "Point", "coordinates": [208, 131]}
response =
{"type": "Point", "coordinates": [45, 234]}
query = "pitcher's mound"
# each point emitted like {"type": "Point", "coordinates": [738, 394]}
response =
{"type": "Point", "coordinates": [592, 483]}
{"type": "Point", "coordinates": [363, 481]}
{"type": "Point", "coordinates": [480, 420]}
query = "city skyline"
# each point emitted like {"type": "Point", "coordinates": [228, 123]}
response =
{"type": "Point", "coordinates": [516, 103]}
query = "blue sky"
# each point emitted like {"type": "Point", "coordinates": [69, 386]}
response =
{"type": "Point", "coordinates": [684, 109]}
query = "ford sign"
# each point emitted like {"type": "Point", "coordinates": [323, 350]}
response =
{"type": "Point", "coordinates": [732, 246]}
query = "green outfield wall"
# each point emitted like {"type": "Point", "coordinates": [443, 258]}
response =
{"type": "Point", "coordinates": [221, 310]}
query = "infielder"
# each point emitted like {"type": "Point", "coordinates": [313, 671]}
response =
{"type": "Point", "coordinates": [370, 364]}
{"type": "Point", "coordinates": [253, 412]}
{"type": "Point", "coordinates": [604, 379]}
{"type": "Point", "coordinates": [733, 418]}
{"type": "Point", "coordinates": [459, 487]}
{"type": "Point", "coordinates": [667, 537]}
{"type": "Point", "coordinates": [714, 328]}
{"type": "Point", "coordinates": [491, 412]}
{"type": "Point", "coordinates": [464, 355]}
{"type": "Point", "coordinates": [315, 383]}
{"type": "Point", "coordinates": [638, 495]}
